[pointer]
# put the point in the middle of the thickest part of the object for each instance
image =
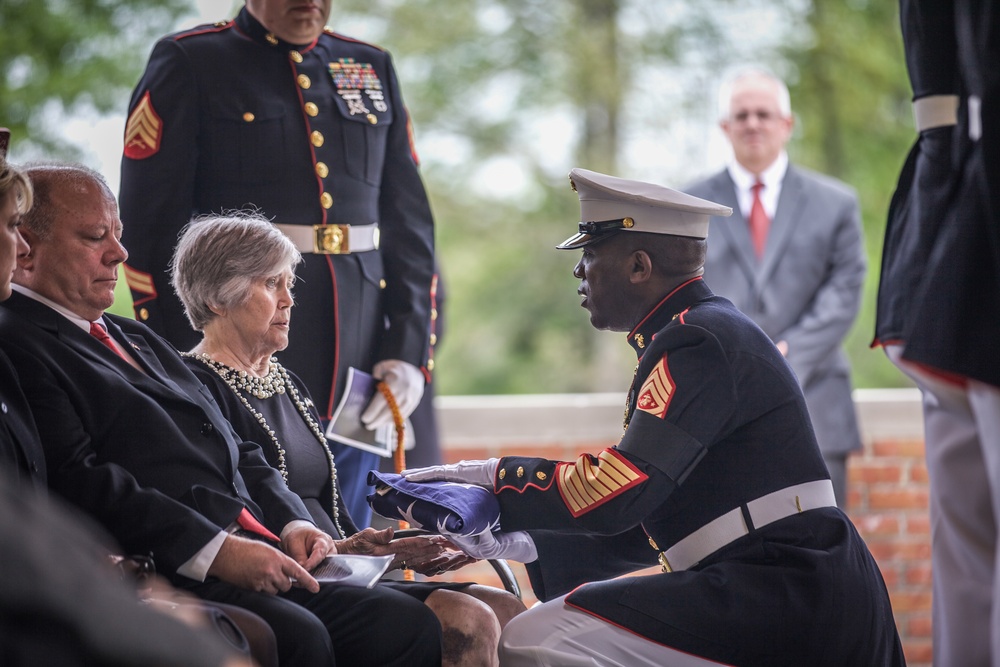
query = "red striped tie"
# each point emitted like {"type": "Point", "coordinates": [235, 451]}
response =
{"type": "Point", "coordinates": [248, 522]}
{"type": "Point", "coordinates": [100, 333]}
{"type": "Point", "coordinates": [759, 221]}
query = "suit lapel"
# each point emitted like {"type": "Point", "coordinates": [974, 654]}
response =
{"type": "Point", "coordinates": [93, 350]}
{"type": "Point", "coordinates": [734, 231]}
{"type": "Point", "coordinates": [785, 218]}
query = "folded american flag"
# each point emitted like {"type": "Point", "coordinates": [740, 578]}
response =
{"type": "Point", "coordinates": [440, 507]}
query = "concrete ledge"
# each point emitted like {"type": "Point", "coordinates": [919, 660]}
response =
{"type": "Point", "coordinates": [473, 421]}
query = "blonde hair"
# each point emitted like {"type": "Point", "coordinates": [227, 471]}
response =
{"type": "Point", "coordinates": [14, 180]}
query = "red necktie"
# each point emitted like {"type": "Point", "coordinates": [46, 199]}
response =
{"type": "Point", "coordinates": [248, 522]}
{"type": "Point", "coordinates": [759, 221]}
{"type": "Point", "coordinates": [99, 332]}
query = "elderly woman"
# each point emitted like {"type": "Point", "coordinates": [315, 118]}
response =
{"type": "Point", "coordinates": [234, 275]}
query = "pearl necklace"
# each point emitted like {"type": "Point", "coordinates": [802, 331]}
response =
{"type": "Point", "coordinates": [275, 382]}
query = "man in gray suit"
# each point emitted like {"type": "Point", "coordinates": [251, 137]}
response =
{"type": "Point", "coordinates": [791, 257]}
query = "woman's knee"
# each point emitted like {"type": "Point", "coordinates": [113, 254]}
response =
{"type": "Point", "coordinates": [505, 605]}
{"type": "Point", "coordinates": [469, 628]}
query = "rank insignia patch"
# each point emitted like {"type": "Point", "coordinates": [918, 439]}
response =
{"type": "Point", "coordinates": [143, 130]}
{"type": "Point", "coordinates": [586, 484]}
{"type": "Point", "coordinates": [140, 283]}
{"type": "Point", "coordinates": [656, 391]}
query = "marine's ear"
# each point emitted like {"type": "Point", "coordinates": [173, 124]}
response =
{"type": "Point", "coordinates": [641, 269]}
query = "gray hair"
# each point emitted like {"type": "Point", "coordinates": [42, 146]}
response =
{"type": "Point", "coordinates": [218, 257]}
{"type": "Point", "coordinates": [752, 72]}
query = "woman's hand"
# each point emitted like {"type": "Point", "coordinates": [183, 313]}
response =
{"type": "Point", "coordinates": [409, 550]}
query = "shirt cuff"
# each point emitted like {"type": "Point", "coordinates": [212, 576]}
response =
{"type": "Point", "coordinates": [292, 525]}
{"type": "Point", "coordinates": [197, 566]}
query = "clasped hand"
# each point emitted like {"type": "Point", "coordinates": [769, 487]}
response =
{"type": "Point", "coordinates": [430, 554]}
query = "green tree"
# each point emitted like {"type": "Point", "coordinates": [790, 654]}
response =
{"type": "Point", "coordinates": [62, 58]}
{"type": "Point", "coordinates": [485, 78]}
{"type": "Point", "coordinates": [852, 101]}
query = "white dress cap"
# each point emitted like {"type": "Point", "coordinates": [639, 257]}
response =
{"type": "Point", "coordinates": [609, 204]}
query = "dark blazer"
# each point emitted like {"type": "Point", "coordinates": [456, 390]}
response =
{"type": "Point", "coordinates": [148, 454]}
{"type": "Point", "coordinates": [21, 455]}
{"type": "Point", "coordinates": [806, 290]}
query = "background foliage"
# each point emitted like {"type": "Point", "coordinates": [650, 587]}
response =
{"type": "Point", "coordinates": [506, 97]}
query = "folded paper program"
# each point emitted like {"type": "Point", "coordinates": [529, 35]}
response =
{"type": "Point", "coordinates": [447, 508]}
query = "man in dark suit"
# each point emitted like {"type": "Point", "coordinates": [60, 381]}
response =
{"type": "Point", "coordinates": [60, 601]}
{"type": "Point", "coordinates": [274, 112]}
{"type": "Point", "coordinates": [132, 438]}
{"type": "Point", "coordinates": [939, 296]}
{"type": "Point", "coordinates": [791, 258]}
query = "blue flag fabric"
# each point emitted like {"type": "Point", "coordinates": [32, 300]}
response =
{"type": "Point", "coordinates": [439, 507]}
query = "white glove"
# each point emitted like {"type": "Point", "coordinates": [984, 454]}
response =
{"type": "Point", "coordinates": [406, 383]}
{"type": "Point", "coordinates": [479, 473]}
{"type": "Point", "coordinates": [487, 545]}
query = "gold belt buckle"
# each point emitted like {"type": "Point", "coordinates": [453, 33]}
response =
{"type": "Point", "coordinates": [331, 240]}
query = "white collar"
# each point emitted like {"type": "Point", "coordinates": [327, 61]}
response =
{"type": "Point", "coordinates": [68, 314]}
{"type": "Point", "coordinates": [770, 177]}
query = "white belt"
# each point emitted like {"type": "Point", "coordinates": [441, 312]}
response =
{"type": "Point", "coordinates": [935, 111]}
{"type": "Point", "coordinates": [332, 239]}
{"type": "Point", "coordinates": [730, 526]}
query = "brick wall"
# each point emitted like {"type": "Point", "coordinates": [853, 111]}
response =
{"type": "Point", "coordinates": [887, 481]}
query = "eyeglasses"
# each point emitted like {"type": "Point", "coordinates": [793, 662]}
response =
{"type": "Point", "coordinates": [761, 116]}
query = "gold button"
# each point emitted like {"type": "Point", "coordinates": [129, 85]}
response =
{"type": "Point", "coordinates": [381, 283]}
{"type": "Point", "coordinates": [316, 137]}
{"type": "Point", "coordinates": [503, 473]}
{"type": "Point", "coordinates": [143, 314]}
{"type": "Point", "coordinates": [434, 313]}
{"type": "Point", "coordinates": [430, 364]}
{"type": "Point", "coordinates": [520, 471]}
{"type": "Point", "coordinates": [434, 339]}
{"type": "Point", "coordinates": [326, 200]}
{"type": "Point", "coordinates": [311, 109]}
{"type": "Point", "coordinates": [295, 56]}
{"type": "Point", "coordinates": [322, 170]}
{"type": "Point", "coordinates": [541, 475]}
{"type": "Point", "coordinates": [373, 119]}
{"type": "Point", "coordinates": [304, 81]}
{"type": "Point", "coordinates": [248, 117]}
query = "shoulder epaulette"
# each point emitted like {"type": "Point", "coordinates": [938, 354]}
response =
{"type": "Point", "coordinates": [206, 28]}
{"type": "Point", "coordinates": [327, 30]}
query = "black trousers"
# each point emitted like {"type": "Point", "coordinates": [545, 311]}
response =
{"type": "Point", "coordinates": [342, 625]}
